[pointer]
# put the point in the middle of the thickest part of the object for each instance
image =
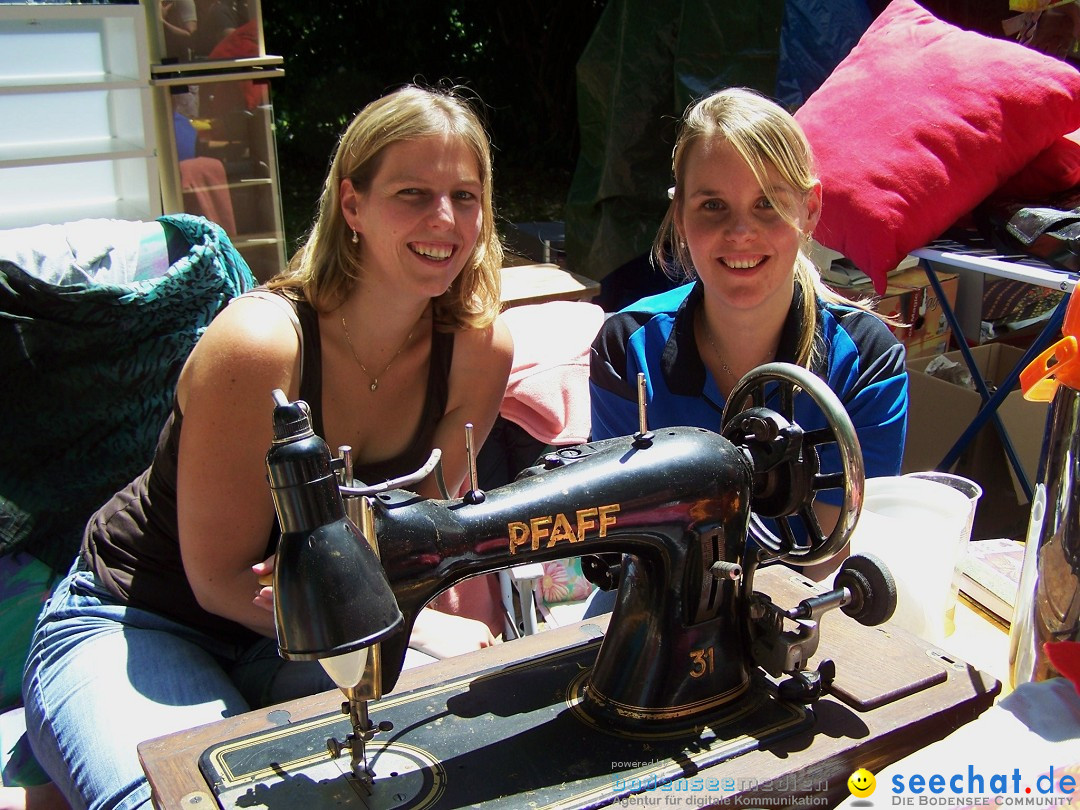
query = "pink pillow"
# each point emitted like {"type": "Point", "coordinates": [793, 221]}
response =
{"type": "Point", "coordinates": [919, 124]}
{"type": "Point", "coordinates": [1055, 169]}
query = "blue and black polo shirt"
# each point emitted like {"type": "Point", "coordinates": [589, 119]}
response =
{"type": "Point", "coordinates": [861, 361]}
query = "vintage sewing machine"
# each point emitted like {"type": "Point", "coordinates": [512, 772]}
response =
{"type": "Point", "coordinates": [696, 667]}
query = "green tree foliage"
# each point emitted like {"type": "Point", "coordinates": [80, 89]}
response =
{"type": "Point", "coordinates": [517, 57]}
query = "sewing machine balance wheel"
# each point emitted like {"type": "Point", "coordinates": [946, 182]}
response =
{"type": "Point", "coordinates": [760, 417]}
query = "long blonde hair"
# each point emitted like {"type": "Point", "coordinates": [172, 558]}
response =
{"type": "Point", "coordinates": [327, 267]}
{"type": "Point", "coordinates": [764, 135]}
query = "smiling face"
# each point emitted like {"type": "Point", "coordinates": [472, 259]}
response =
{"type": "Point", "coordinates": [742, 246]}
{"type": "Point", "coordinates": [861, 783]}
{"type": "Point", "coordinates": [419, 220]}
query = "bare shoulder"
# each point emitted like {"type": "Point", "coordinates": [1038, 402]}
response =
{"type": "Point", "coordinates": [490, 348]}
{"type": "Point", "coordinates": [480, 369]}
{"type": "Point", "coordinates": [251, 341]}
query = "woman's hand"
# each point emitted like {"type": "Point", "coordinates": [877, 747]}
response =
{"type": "Point", "coordinates": [264, 572]}
{"type": "Point", "coordinates": [442, 635]}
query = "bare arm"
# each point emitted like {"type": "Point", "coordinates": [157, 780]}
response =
{"type": "Point", "coordinates": [482, 361]}
{"type": "Point", "coordinates": [182, 29]}
{"type": "Point", "coordinates": [481, 367]}
{"type": "Point", "coordinates": [224, 506]}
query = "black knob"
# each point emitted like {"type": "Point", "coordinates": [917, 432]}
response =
{"type": "Point", "coordinates": [872, 588]}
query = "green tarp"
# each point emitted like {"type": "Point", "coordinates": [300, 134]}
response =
{"type": "Point", "coordinates": [646, 60]}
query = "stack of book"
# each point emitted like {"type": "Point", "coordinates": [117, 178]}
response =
{"type": "Point", "coordinates": [991, 574]}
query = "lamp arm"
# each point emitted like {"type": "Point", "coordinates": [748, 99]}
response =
{"type": "Point", "coordinates": [402, 482]}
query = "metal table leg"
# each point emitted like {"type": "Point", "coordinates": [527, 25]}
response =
{"type": "Point", "coordinates": [991, 402]}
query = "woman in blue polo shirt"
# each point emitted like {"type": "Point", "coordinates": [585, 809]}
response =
{"type": "Point", "coordinates": [745, 202]}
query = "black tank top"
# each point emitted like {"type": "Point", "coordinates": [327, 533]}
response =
{"type": "Point", "coordinates": [438, 386]}
{"type": "Point", "coordinates": [132, 542]}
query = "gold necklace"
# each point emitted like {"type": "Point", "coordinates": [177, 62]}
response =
{"type": "Point", "coordinates": [374, 377]}
{"type": "Point", "coordinates": [708, 336]}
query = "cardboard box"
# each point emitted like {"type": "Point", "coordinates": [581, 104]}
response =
{"type": "Point", "coordinates": [928, 348]}
{"type": "Point", "coordinates": [910, 298]}
{"type": "Point", "coordinates": [940, 411]}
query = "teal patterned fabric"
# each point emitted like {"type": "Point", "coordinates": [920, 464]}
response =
{"type": "Point", "coordinates": [25, 583]}
{"type": "Point", "coordinates": [88, 372]}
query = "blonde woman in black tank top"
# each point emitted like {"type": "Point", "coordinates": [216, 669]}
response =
{"type": "Point", "coordinates": [402, 259]}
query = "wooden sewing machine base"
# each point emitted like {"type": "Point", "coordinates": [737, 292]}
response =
{"type": "Point", "coordinates": [484, 742]}
{"type": "Point", "coordinates": [499, 729]}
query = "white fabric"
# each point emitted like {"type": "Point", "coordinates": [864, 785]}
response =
{"type": "Point", "coordinates": [88, 251]}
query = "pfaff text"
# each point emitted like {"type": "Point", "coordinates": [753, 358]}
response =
{"type": "Point", "coordinates": [545, 531]}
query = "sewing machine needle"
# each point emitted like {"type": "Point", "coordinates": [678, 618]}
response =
{"type": "Point", "coordinates": [471, 455]}
{"type": "Point", "coordinates": [358, 710]}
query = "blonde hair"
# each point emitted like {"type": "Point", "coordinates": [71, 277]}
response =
{"type": "Point", "coordinates": [327, 267]}
{"type": "Point", "coordinates": [764, 135]}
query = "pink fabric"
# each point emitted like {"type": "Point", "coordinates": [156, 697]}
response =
{"type": "Point", "coordinates": [476, 598]}
{"type": "Point", "coordinates": [548, 390]}
{"type": "Point", "coordinates": [206, 191]}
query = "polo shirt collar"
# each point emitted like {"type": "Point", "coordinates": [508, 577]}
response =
{"type": "Point", "coordinates": [681, 363]}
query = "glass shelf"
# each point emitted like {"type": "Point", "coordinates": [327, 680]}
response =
{"type": "Point", "coordinates": [77, 133]}
{"type": "Point", "coordinates": [64, 192]}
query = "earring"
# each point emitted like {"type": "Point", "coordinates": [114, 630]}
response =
{"type": "Point", "coordinates": [355, 239]}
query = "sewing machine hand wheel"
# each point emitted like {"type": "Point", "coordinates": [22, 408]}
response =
{"type": "Point", "coordinates": [787, 473]}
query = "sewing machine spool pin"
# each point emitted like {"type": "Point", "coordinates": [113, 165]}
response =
{"type": "Point", "coordinates": [345, 474]}
{"type": "Point", "coordinates": [643, 437]}
{"type": "Point", "coordinates": [475, 494]}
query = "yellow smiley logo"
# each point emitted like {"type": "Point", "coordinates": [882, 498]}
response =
{"type": "Point", "coordinates": [861, 783]}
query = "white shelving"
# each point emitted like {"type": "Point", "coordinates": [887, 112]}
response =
{"type": "Point", "coordinates": [77, 135]}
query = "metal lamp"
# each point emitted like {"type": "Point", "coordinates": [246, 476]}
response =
{"type": "Point", "coordinates": [331, 596]}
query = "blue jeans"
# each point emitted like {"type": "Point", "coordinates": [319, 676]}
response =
{"type": "Point", "coordinates": [103, 677]}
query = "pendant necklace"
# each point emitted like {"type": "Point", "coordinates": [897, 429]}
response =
{"type": "Point", "coordinates": [374, 377]}
{"type": "Point", "coordinates": [720, 357]}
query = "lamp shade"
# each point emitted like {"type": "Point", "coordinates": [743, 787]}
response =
{"type": "Point", "coordinates": [331, 595]}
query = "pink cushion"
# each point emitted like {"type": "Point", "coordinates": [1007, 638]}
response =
{"type": "Point", "coordinates": [563, 582]}
{"type": "Point", "coordinates": [919, 124]}
{"type": "Point", "coordinates": [1054, 169]}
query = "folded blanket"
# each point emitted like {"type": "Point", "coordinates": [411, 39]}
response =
{"type": "Point", "coordinates": [548, 390]}
{"type": "Point", "coordinates": [88, 251]}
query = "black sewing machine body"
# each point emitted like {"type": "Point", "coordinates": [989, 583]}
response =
{"type": "Point", "coordinates": [671, 518]}
{"type": "Point", "coordinates": [673, 504]}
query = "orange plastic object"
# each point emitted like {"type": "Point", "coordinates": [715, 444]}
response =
{"type": "Point", "coordinates": [1058, 365]}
